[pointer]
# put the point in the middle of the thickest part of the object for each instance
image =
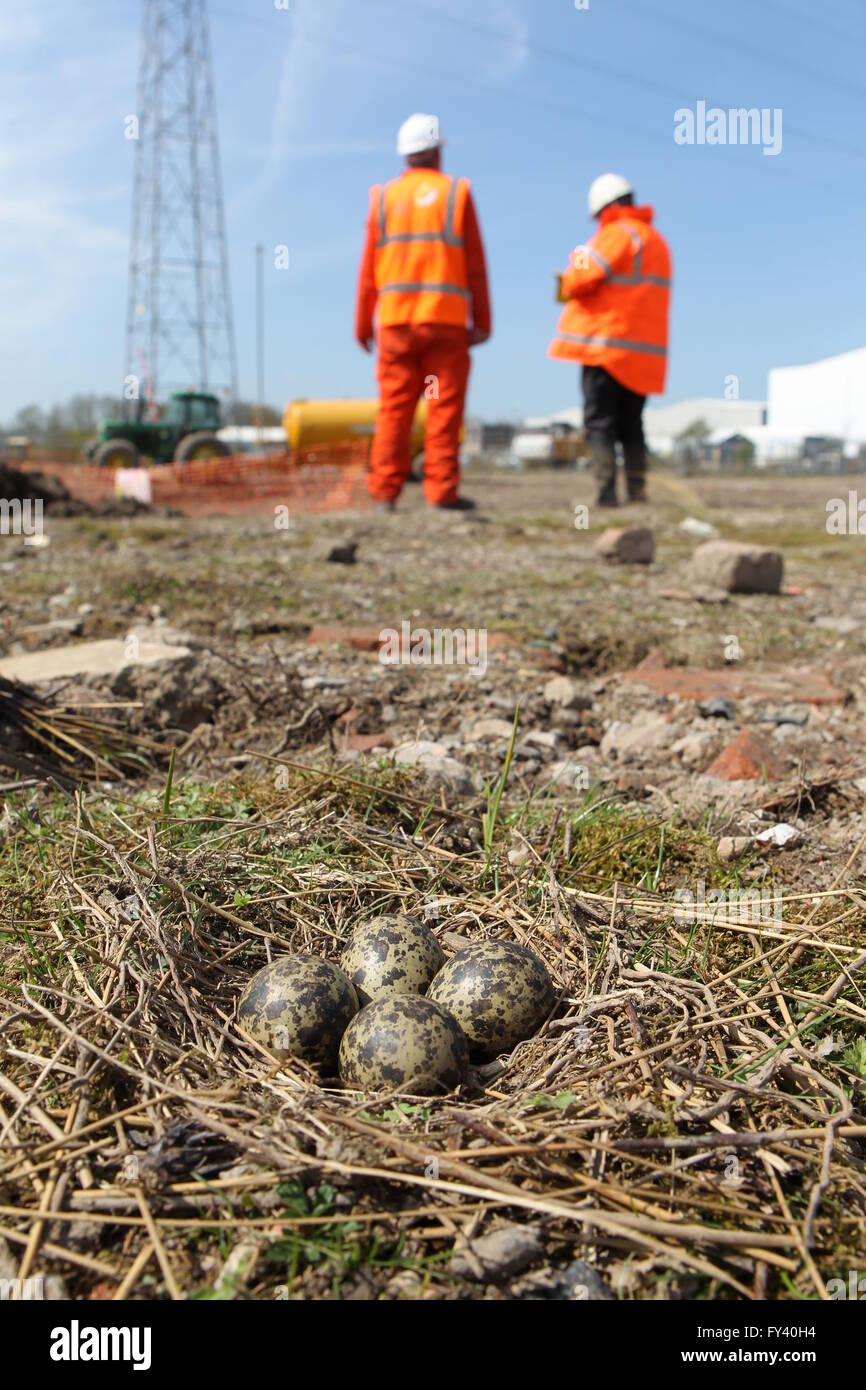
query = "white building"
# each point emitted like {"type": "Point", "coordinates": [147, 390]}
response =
{"type": "Point", "coordinates": [825, 398]}
{"type": "Point", "coordinates": [820, 401]}
{"type": "Point", "coordinates": [664, 423]}
{"type": "Point", "coordinates": [770, 447]}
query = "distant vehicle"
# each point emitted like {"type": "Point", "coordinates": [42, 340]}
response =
{"type": "Point", "coordinates": [555, 448]}
{"type": "Point", "coordinates": [187, 431]}
{"type": "Point", "coordinates": [15, 447]}
{"type": "Point", "coordinates": [310, 424]}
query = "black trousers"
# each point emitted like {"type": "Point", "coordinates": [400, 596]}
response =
{"type": "Point", "coordinates": [612, 415]}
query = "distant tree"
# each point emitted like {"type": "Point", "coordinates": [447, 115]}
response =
{"type": "Point", "coordinates": [84, 412]}
{"type": "Point", "coordinates": [244, 413]}
{"type": "Point", "coordinates": [744, 453]}
{"type": "Point", "coordinates": [697, 431]}
{"type": "Point", "coordinates": [29, 420]}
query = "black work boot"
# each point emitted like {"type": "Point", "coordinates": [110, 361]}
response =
{"type": "Point", "coordinates": [460, 504]}
{"type": "Point", "coordinates": [604, 465]}
{"type": "Point", "coordinates": [634, 458]}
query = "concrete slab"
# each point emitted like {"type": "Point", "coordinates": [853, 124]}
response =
{"type": "Point", "coordinates": [105, 658]}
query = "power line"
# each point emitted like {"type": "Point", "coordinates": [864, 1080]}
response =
{"type": "Point", "coordinates": [590, 117]}
{"type": "Point", "coordinates": [818, 18]}
{"type": "Point", "coordinates": [618, 74]}
{"type": "Point", "coordinates": [540, 50]}
{"type": "Point", "coordinates": [391, 61]}
{"type": "Point", "coordinates": [718, 39]}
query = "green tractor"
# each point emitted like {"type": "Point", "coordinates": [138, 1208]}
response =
{"type": "Point", "coordinates": [187, 431]}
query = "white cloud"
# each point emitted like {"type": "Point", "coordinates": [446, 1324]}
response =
{"type": "Point", "coordinates": [297, 111]}
{"type": "Point", "coordinates": [22, 25]}
{"type": "Point", "coordinates": [506, 59]}
{"type": "Point", "coordinates": [67, 230]}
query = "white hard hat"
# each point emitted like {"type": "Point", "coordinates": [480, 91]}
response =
{"type": "Point", "coordinates": [419, 133]}
{"type": "Point", "coordinates": [606, 189]}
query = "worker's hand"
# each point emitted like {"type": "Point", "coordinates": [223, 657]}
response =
{"type": "Point", "coordinates": [478, 336]}
{"type": "Point", "coordinates": [366, 344]}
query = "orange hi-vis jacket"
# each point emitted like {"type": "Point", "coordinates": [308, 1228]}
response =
{"type": "Point", "coordinates": [617, 289]}
{"type": "Point", "coordinates": [419, 256]}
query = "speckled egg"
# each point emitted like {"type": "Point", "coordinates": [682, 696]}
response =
{"type": "Point", "coordinates": [499, 993]}
{"type": "Point", "coordinates": [404, 1042]}
{"type": "Point", "coordinates": [391, 955]}
{"type": "Point", "coordinates": [299, 1006]}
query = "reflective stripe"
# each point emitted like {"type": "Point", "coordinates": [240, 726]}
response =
{"type": "Point", "coordinates": [614, 343]}
{"type": "Point", "coordinates": [639, 280]}
{"type": "Point", "coordinates": [447, 235]}
{"type": "Point", "coordinates": [597, 256]}
{"type": "Point", "coordinates": [420, 236]}
{"type": "Point", "coordinates": [636, 278]}
{"type": "Point", "coordinates": [418, 287]}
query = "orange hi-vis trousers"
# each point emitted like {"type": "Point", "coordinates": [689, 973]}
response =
{"type": "Point", "coordinates": [415, 359]}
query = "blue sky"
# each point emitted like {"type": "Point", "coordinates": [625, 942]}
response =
{"type": "Point", "coordinates": [535, 97]}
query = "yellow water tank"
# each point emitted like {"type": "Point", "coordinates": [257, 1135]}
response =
{"type": "Point", "coordinates": [311, 423]}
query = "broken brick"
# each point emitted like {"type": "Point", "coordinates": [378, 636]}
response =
{"type": "Point", "coordinates": [365, 742]}
{"type": "Point", "coordinates": [363, 639]}
{"type": "Point", "coordinates": [698, 683]}
{"type": "Point", "coordinates": [350, 716]}
{"type": "Point", "coordinates": [748, 758]}
{"type": "Point", "coordinates": [655, 660]}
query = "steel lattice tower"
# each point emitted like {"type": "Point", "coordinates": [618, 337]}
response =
{"type": "Point", "coordinates": [179, 327]}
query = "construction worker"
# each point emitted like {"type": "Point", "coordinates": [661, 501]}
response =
{"type": "Point", "coordinates": [423, 273]}
{"type": "Point", "coordinates": [616, 292]}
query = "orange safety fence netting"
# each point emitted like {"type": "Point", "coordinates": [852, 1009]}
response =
{"type": "Point", "coordinates": [82, 480]}
{"type": "Point", "coordinates": [322, 479]}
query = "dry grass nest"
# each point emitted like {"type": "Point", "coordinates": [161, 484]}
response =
{"type": "Point", "coordinates": [689, 1120]}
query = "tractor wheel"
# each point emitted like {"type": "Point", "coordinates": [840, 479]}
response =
{"type": "Point", "coordinates": [200, 445]}
{"type": "Point", "coordinates": [116, 453]}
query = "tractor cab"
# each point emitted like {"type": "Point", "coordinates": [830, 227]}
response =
{"type": "Point", "coordinates": [189, 411]}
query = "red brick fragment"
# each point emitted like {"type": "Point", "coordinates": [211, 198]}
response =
{"type": "Point", "coordinates": [748, 758]}
{"type": "Point", "coordinates": [363, 639]}
{"type": "Point", "coordinates": [795, 686]}
{"type": "Point", "coordinates": [364, 742]}
{"type": "Point", "coordinates": [655, 660]}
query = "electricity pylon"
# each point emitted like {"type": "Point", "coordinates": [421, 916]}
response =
{"type": "Point", "coordinates": [179, 327]}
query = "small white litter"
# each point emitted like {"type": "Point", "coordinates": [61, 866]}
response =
{"type": "Point", "coordinates": [701, 530]}
{"type": "Point", "coordinates": [780, 835]}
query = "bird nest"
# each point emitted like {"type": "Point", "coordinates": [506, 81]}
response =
{"type": "Point", "coordinates": [688, 1122]}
